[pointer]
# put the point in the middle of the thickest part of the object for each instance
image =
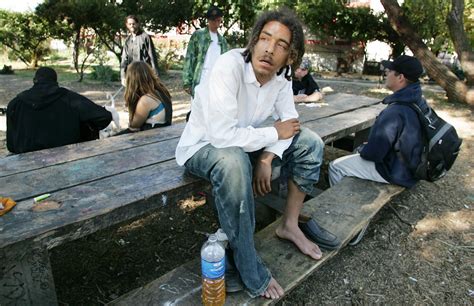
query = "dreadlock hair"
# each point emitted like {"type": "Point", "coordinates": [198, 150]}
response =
{"type": "Point", "coordinates": [289, 19]}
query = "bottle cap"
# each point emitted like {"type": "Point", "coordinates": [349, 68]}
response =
{"type": "Point", "coordinates": [212, 238]}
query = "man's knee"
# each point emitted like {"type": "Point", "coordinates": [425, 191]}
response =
{"type": "Point", "coordinates": [310, 144]}
{"type": "Point", "coordinates": [233, 164]}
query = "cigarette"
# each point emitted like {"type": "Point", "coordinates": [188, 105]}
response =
{"type": "Point", "coordinates": [41, 197]}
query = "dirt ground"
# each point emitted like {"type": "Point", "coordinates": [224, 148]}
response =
{"type": "Point", "coordinates": [417, 250]}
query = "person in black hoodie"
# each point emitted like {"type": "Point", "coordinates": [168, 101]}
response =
{"type": "Point", "coordinates": [395, 141]}
{"type": "Point", "coordinates": [47, 116]}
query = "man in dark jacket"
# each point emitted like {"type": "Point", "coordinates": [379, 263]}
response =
{"type": "Point", "coordinates": [395, 141]}
{"type": "Point", "coordinates": [137, 47]}
{"type": "Point", "coordinates": [47, 116]}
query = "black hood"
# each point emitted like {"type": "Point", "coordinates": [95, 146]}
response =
{"type": "Point", "coordinates": [42, 94]}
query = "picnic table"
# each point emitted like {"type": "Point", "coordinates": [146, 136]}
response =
{"type": "Point", "coordinates": [100, 183]}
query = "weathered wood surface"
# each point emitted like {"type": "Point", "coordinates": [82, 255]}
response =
{"type": "Point", "coordinates": [96, 205]}
{"type": "Point", "coordinates": [341, 125]}
{"type": "Point", "coordinates": [26, 185]}
{"type": "Point", "coordinates": [25, 162]}
{"type": "Point", "coordinates": [112, 183]}
{"type": "Point", "coordinates": [343, 209]}
{"type": "Point", "coordinates": [337, 103]}
{"type": "Point", "coordinates": [25, 276]}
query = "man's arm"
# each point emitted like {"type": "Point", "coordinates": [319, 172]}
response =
{"type": "Point", "coordinates": [124, 62]}
{"type": "Point", "coordinates": [314, 97]}
{"type": "Point", "coordinates": [284, 110]}
{"type": "Point", "coordinates": [263, 174]}
{"type": "Point", "coordinates": [382, 137]}
{"type": "Point", "coordinates": [96, 116]}
{"type": "Point", "coordinates": [263, 168]}
{"type": "Point", "coordinates": [190, 64]}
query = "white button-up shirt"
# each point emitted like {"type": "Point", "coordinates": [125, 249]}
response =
{"type": "Point", "coordinates": [229, 107]}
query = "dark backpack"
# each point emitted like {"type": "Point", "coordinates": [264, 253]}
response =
{"type": "Point", "coordinates": [441, 145]}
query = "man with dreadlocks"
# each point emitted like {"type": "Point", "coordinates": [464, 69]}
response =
{"type": "Point", "coordinates": [224, 144]}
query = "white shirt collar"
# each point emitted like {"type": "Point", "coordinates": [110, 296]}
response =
{"type": "Point", "coordinates": [250, 77]}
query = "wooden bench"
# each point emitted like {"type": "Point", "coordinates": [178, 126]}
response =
{"type": "Point", "coordinates": [102, 183]}
{"type": "Point", "coordinates": [343, 209]}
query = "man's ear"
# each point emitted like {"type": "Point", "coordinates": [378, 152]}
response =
{"type": "Point", "coordinates": [289, 61]}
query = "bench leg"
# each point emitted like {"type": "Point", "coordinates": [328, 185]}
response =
{"type": "Point", "coordinates": [25, 276]}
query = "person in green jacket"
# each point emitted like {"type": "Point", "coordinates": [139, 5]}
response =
{"type": "Point", "coordinates": [204, 48]}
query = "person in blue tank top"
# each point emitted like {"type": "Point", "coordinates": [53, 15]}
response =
{"type": "Point", "coordinates": [147, 99]}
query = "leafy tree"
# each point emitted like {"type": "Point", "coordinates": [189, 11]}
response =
{"type": "Point", "coordinates": [333, 19]}
{"type": "Point", "coordinates": [25, 35]}
{"type": "Point", "coordinates": [87, 25]}
{"type": "Point", "coordinates": [428, 17]}
{"type": "Point", "coordinates": [456, 90]}
{"type": "Point", "coordinates": [236, 13]}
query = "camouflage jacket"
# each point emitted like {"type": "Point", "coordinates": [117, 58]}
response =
{"type": "Point", "coordinates": [196, 54]}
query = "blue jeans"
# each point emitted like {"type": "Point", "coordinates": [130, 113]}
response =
{"type": "Point", "coordinates": [229, 171]}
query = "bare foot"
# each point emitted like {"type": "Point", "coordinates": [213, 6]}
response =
{"type": "Point", "coordinates": [295, 235]}
{"type": "Point", "coordinates": [273, 291]}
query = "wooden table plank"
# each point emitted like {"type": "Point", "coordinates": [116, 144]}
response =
{"type": "Point", "coordinates": [341, 125]}
{"type": "Point", "coordinates": [337, 103]}
{"type": "Point", "coordinates": [25, 162]}
{"type": "Point", "coordinates": [99, 204]}
{"type": "Point", "coordinates": [26, 185]}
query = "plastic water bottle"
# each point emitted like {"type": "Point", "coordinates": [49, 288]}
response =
{"type": "Point", "coordinates": [213, 272]}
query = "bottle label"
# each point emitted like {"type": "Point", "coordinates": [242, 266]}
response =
{"type": "Point", "coordinates": [213, 270]}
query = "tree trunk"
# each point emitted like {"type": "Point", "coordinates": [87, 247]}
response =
{"type": "Point", "coordinates": [456, 90]}
{"type": "Point", "coordinates": [76, 51]}
{"type": "Point", "coordinates": [458, 35]}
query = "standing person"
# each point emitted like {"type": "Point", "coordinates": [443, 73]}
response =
{"type": "Point", "coordinates": [47, 116]}
{"type": "Point", "coordinates": [224, 143]}
{"type": "Point", "coordinates": [305, 88]}
{"type": "Point", "coordinates": [147, 99]}
{"type": "Point", "coordinates": [205, 46]}
{"type": "Point", "coordinates": [137, 47]}
{"type": "Point", "coordinates": [395, 141]}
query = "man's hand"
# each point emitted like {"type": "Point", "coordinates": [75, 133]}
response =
{"type": "Point", "coordinates": [188, 90]}
{"type": "Point", "coordinates": [263, 174]}
{"type": "Point", "coordinates": [288, 128]}
{"type": "Point", "coordinates": [300, 98]}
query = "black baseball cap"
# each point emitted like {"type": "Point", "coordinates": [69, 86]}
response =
{"type": "Point", "coordinates": [409, 66]}
{"type": "Point", "coordinates": [214, 12]}
{"type": "Point", "coordinates": [45, 74]}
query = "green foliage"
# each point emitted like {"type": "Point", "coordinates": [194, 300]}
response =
{"type": "Point", "coordinates": [25, 35]}
{"type": "Point", "coordinates": [104, 74]}
{"type": "Point", "coordinates": [331, 18]}
{"type": "Point", "coordinates": [429, 19]}
{"type": "Point", "coordinates": [240, 13]}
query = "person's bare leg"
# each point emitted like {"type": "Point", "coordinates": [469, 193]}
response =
{"type": "Point", "coordinates": [273, 291]}
{"type": "Point", "coordinates": [288, 228]}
